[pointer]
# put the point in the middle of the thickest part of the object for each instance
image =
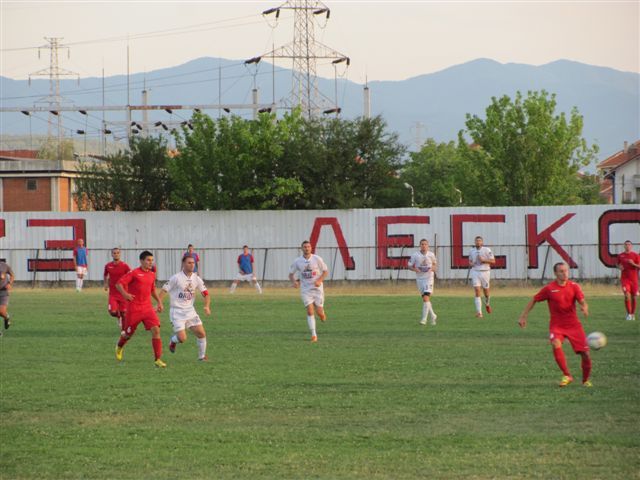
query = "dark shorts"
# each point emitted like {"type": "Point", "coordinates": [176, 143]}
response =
{"type": "Point", "coordinates": [4, 298]}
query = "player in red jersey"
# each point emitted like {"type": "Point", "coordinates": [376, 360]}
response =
{"type": "Point", "coordinates": [629, 263]}
{"type": "Point", "coordinates": [561, 296]}
{"type": "Point", "coordinates": [137, 287]}
{"type": "Point", "coordinates": [113, 271]}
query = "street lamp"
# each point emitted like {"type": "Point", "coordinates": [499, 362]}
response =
{"type": "Point", "coordinates": [459, 194]}
{"type": "Point", "coordinates": [413, 203]}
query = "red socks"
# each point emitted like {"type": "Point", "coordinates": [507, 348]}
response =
{"type": "Point", "coordinates": [633, 305]}
{"type": "Point", "coordinates": [586, 368]}
{"type": "Point", "coordinates": [122, 341]}
{"type": "Point", "coordinates": [628, 302]}
{"type": "Point", "coordinates": [157, 347]}
{"type": "Point", "coordinates": [561, 360]}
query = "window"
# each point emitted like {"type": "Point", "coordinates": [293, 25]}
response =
{"type": "Point", "coordinates": [32, 184]}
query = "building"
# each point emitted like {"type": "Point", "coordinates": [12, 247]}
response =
{"type": "Point", "coordinates": [622, 170]}
{"type": "Point", "coordinates": [29, 184]}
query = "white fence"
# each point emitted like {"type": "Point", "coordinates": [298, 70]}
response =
{"type": "Point", "coordinates": [356, 244]}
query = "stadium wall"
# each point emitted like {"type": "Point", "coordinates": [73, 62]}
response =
{"type": "Point", "coordinates": [362, 244]}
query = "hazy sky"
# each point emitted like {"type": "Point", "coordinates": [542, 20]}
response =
{"type": "Point", "coordinates": [386, 40]}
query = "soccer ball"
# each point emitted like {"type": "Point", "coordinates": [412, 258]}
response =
{"type": "Point", "coordinates": [597, 340]}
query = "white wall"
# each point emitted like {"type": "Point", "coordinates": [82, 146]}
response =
{"type": "Point", "coordinates": [276, 235]}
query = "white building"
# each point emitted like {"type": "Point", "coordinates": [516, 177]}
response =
{"type": "Point", "coordinates": [622, 169]}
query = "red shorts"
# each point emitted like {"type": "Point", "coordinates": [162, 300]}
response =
{"type": "Point", "coordinates": [575, 335]}
{"type": "Point", "coordinates": [133, 318]}
{"type": "Point", "coordinates": [117, 304]}
{"type": "Point", "coordinates": [629, 285]}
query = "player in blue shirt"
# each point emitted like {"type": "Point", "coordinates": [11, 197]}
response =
{"type": "Point", "coordinates": [80, 263]}
{"type": "Point", "coordinates": [245, 271]}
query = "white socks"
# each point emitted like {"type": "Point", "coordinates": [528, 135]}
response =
{"type": "Point", "coordinates": [311, 321]}
{"type": "Point", "coordinates": [425, 310]}
{"type": "Point", "coordinates": [486, 300]}
{"type": "Point", "coordinates": [79, 284]}
{"type": "Point", "coordinates": [202, 347]}
{"type": "Point", "coordinates": [233, 288]}
{"type": "Point", "coordinates": [478, 303]}
{"type": "Point", "coordinates": [258, 287]}
{"type": "Point", "coordinates": [175, 339]}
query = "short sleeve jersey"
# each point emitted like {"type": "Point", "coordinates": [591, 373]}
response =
{"type": "Point", "coordinates": [474, 257]}
{"type": "Point", "coordinates": [140, 284]}
{"type": "Point", "coordinates": [423, 262]}
{"type": "Point", "coordinates": [561, 300]}
{"type": "Point", "coordinates": [80, 254]}
{"type": "Point", "coordinates": [115, 272]}
{"type": "Point", "coordinates": [309, 270]}
{"type": "Point", "coordinates": [629, 272]}
{"type": "Point", "coordinates": [5, 272]}
{"type": "Point", "coordinates": [245, 263]}
{"type": "Point", "coordinates": [182, 290]}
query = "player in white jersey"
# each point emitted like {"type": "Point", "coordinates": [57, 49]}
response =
{"type": "Point", "coordinates": [311, 271]}
{"type": "Point", "coordinates": [181, 289]}
{"type": "Point", "coordinates": [480, 260]}
{"type": "Point", "coordinates": [424, 263]}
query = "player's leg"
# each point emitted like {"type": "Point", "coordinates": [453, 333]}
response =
{"type": "Point", "coordinates": [477, 301]}
{"type": "Point", "coordinates": [179, 333]}
{"type": "Point", "coordinates": [561, 360]}
{"type": "Point", "coordinates": [4, 313]}
{"type": "Point", "coordinates": [256, 285]}
{"type": "Point", "coordinates": [578, 341]}
{"type": "Point", "coordinates": [156, 343]}
{"type": "Point", "coordinates": [234, 285]}
{"type": "Point", "coordinates": [586, 368]}
{"type": "Point", "coordinates": [131, 324]}
{"type": "Point", "coordinates": [201, 340]}
{"type": "Point", "coordinates": [626, 291]}
{"type": "Point", "coordinates": [486, 275]}
{"type": "Point", "coordinates": [311, 320]}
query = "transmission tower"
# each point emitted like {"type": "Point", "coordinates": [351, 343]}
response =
{"type": "Point", "coordinates": [305, 50]}
{"type": "Point", "coordinates": [54, 100]}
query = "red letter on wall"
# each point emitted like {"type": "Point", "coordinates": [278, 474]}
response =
{"type": "Point", "coordinates": [384, 241]}
{"type": "Point", "coordinates": [2, 231]}
{"type": "Point", "coordinates": [607, 219]}
{"type": "Point", "coordinates": [458, 258]}
{"type": "Point", "coordinates": [349, 263]}
{"type": "Point", "coordinates": [63, 264]}
{"type": "Point", "coordinates": [535, 239]}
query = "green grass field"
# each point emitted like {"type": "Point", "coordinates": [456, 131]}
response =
{"type": "Point", "coordinates": [378, 397]}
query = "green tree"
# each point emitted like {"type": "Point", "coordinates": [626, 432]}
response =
{"type": "Point", "coordinates": [523, 153]}
{"type": "Point", "coordinates": [52, 149]}
{"type": "Point", "coordinates": [133, 180]}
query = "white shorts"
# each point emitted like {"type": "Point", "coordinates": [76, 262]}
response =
{"type": "Point", "coordinates": [248, 277]}
{"type": "Point", "coordinates": [81, 270]}
{"type": "Point", "coordinates": [425, 285]}
{"type": "Point", "coordinates": [181, 320]}
{"type": "Point", "coordinates": [315, 296]}
{"type": "Point", "coordinates": [480, 278]}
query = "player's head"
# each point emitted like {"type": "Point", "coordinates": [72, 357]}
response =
{"type": "Point", "coordinates": [190, 248]}
{"type": "Point", "coordinates": [115, 254]}
{"type": "Point", "coordinates": [306, 247]}
{"type": "Point", "coordinates": [424, 245]}
{"type": "Point", "coordinates": [627, 246]}
{"type": "Point", "coordinates": [245, 249]}
{"type": "Point", "coordinates": [146, 260]}
{"type": "Point", "coordinates": [561, 270]}
{"type": "Point", "coordinates": [188, 264]}
{"type": "Point", "coordinates": [478, 241]}
{"type": "Point", "coordinates": [80, 242]}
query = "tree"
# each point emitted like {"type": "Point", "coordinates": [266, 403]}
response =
{"type": "Point", "coordinates": [524, 153]}
{"type": "Point", "coordinates": [133, 180]}
{"type": "Point", "coordinates": [52, 149]}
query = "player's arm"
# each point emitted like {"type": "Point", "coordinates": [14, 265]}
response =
{"type": "Point", "coordinates": [120, 286]}
{"type": "Point", "coordinates": [292, 278]}
{"type": "Point", "coordinates": [584, 307]}
{"type": "Point", "coordinates": [154, 294]}
{"type": "Point", "coordinates": [490, 260]}
{"type": "Point", "coordinates": [207, 302]}
{"type": "Point", "coordinates": [320, 279]}
{"type": "Point", "coordinates": [106, 280]}
{"type": "Point", "coordinates": [75, 264]}
{"type": "Point", "coordinates": [522, 321]}
{"type": "Point", "coordinates": [11, 278]}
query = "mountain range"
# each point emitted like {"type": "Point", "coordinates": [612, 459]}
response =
{"type": "Point", "coordinates": [431, 105]}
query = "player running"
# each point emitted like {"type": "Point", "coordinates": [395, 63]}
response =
{"type": "Point", "coordinates": [181, 288]}
{"type": "Point", "coordinates": [245, 271]}
{"type": "Point", "coordinates": [424, 263]}
{"type": "Point", "coordinates": [480, 260]}
{"type": "Point", "coordinates": [561, 296]}
{"type": "Point", "coordinates": [629, 264]}
{"type": "Point", "coordinates": [311, 271]}
{"type": "Point", "coordinates": [6, 284]}
{"type": "Point", "coordinates": [137, 287]}
{"type": "Point", "coordinates": [114, 271]}
{"type": "Point", "coordinates": [80, 263]}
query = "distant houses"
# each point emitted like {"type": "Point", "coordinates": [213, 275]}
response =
{"type": "Point", "coordinates": [621, 175]}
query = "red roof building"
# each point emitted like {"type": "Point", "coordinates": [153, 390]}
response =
{"type": "Point", "coordinates": [622, 171]}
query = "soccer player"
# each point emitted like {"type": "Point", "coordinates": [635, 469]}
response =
{"type": "Point", "coordinates": [424, 263]}
{"type": "Point", "coordinates": [629, 264]}
{"type": "Point", "coordinates": [312, 271]}
{"type": "Point", "coordinates": [561, 296]}
{"type": "Point", "coordinates": [113, 271]}
{"type": "Point", "coordinates": [480, 260]}
{"type": "Point", "coordinates": [181, 288]}
{"type": "Point", "coordinates": [137, 287]}
{"type": "Point", "coordinates": [6, 283]}
{"type": "Point", "coordinates": [192, 253]}
{"type": "Point", "coordinates": [80, 263]}
{"type": "Point", "coordinates": [245, 271]}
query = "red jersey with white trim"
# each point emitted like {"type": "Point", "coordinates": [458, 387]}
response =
{"type": "Point", "coordinates": [562, 303]}
{"type": "Point", "coordinates": [115, 272]}
{"type": "Point", "coordinates": [140, 284]}
{"type": "Point", "coordinates": [629, 272]}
